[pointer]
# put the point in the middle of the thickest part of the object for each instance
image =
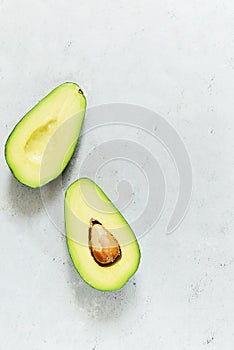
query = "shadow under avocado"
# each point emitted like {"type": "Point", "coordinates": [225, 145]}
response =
{"type": "Point", "coordinates": [23, 199]}
{"type": "Point", "coordinates": [99, 305]}
{"type": "Point", "coordinates": [27, 201]}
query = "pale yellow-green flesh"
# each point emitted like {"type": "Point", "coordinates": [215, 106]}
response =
{"type": "Point", "coordinates": [43, 141]}
{"type": "Point", "coordinates": [85, 200]}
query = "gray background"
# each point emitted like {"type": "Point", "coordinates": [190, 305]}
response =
{"type": "Point", "coordinates": [176, 58]}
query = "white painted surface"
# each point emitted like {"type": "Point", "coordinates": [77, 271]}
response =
{"type": "Point", "coordinates": [176, 58]}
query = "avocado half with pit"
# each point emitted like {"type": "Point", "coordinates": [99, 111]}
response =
{"type": "Point", "coordinates": [102, 245]}
{"type": "Point", "coordinates": [42, 143]}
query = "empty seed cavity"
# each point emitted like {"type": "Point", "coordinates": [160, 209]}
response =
{"type": "Point", "coordinates": [38, 140]}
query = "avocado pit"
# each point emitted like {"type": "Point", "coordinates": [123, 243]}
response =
{"type": "Point", "coordinates": [103, 246]}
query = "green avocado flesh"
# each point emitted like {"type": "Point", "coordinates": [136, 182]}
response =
{"type": "Point", "coordinates": [85, 201]}
{"type": "Point", "coordinates": [42, 143]}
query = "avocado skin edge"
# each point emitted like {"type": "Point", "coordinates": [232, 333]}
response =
{"type": "Point", "coordinates": [27, 115]}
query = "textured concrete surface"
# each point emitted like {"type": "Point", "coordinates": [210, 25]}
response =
{"type": "Point", "coordinates": [176, 58]}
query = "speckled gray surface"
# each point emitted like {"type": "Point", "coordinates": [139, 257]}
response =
{"type": "Point", "coordinates": [176, 58]}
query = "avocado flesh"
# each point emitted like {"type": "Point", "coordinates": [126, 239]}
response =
{"type": "Point", "coordinates": [85, 200]}
{"type": "Point", "coordinates": [42, 143]}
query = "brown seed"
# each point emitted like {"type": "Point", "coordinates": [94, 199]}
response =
{"type": "Point", "coordinates": [103, 245]}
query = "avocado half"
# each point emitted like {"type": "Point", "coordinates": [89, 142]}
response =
{"type": "Point", "coordinates": [86, 203]}
{"type": "Point", "coordinates": [42, 143]}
